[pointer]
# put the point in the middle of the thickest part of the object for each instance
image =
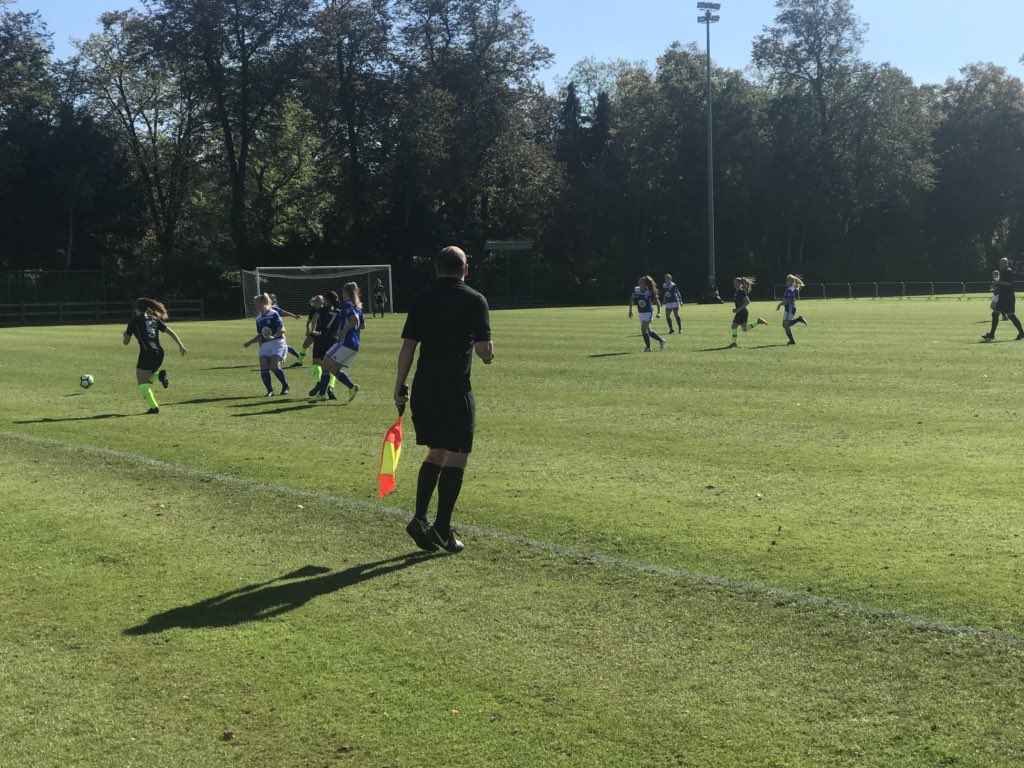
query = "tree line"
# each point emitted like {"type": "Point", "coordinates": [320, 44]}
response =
{"type": "Point", "coordinates": [193, 138]}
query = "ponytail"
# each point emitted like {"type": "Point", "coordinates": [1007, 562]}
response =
{"type": "Point", "coordinates": [151, 307]}
{"type": "Point", "coordinates": [353, 291]}
{"type": "Point", "coordinates": [264, 298]}
{"type": "Point", "coordinates": [651, 285]}
{"type": "Point", "coordinates": [747, 283]}
{"type": "Point", "coordinates": [798, 282]}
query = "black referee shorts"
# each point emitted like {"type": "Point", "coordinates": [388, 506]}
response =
{"type": "Point", "coordinates": [150, 361]}
{"type": "Point", "coordinates": [443, 419]}
{"type": "Point", "coordinates": [1007, 304]}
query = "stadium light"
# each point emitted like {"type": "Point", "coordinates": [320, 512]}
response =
{"type": "Point", "coordinates": [711, 294]}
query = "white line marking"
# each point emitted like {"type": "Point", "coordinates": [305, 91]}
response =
{"type": "Point", "coordinates": [791, 597]}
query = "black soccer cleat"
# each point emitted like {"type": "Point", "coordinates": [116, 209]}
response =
{"type": "Point", "coordinates": [314, 390]}
{"type": "Point", "coordinates": [153, 410]}
{"type": "Point", "coordinates": [451, 544]}
{"type": "Point", "coordinates": [790, 343]}
{"type": "Point", "coordinates": [1020, 336]}
{"type": "Point", "coordinates": [417, 530]}
{"type": "Point", "coordinates": [330, 394]}
{"type": "Point", "coordinates": [286, 390]}
{"type": "Point", "coordinates": [162, 376]}
{"type": "Point", "coordinates": [987, 337]}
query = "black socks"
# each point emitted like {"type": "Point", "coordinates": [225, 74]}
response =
{"type": "Point", "coordinates": [449, 485]}
{"type": "Point", "coordinates": [425, 487]}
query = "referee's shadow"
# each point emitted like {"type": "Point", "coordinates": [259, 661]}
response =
{"type": "Point", "coordinates": [258, 602]}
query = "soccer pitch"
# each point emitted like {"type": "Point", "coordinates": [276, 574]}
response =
{"type": "Point", "coordinates": [763, 556]}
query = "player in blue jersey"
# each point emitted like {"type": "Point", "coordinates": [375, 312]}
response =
{"type": "Point", "coordinates": [273, 346]}
{"type": "Point", "coordinates": [645, 296]}
{"type": "Point", "coordinates": [146, 327]}
{"type": "Point", "coordinates": [670, 292]}
{"type": "Point", "coordinates": [741, 315]}
{"type": "Point", "coordinates": [790, 318]}
{"type": "Point", "coordinates": [344, 351]}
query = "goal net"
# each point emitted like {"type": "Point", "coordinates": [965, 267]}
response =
{"type": "Point", "coordinates": [295, 286]}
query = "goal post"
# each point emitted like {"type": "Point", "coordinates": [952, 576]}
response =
{"type": "Point", "coordinates": [295, 286]}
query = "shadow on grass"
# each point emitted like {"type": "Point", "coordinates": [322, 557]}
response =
{"type": "Point", "coordinates": [203, 400]}
{"type": "Point", "coordinates": [48, 420]}
{"type": "Point", "coordinates": [75, 394]}
{"type": "Point", "coordinates": [715, 349]}
{"type": "Point", "coordinates": [769, 346]}
{"type": "Point", "coordinates": [232, 368]}
{"type": "Point", "coordinates": [610, 354]}
{"type": "Point", "coordinates": [257, 602]}
{"type": "Point", "coordinates": [285, 409]}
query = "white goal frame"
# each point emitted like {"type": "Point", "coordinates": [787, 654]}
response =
{"type": "Point", "coordinates": [339, 272]}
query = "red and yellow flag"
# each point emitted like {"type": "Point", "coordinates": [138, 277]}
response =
{"type": "Point", "coordinates": [389, 454]}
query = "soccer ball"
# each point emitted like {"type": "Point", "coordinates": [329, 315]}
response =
{"type": "Point", "coordinates": [85, 381]}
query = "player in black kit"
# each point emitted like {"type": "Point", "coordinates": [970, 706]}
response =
{"type": "Point", "coordinates": [146, 327]}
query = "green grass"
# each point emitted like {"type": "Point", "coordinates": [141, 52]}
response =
{"type": "Point", "coordinates": [148, 609]}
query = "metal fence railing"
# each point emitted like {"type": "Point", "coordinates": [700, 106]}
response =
{"type": "Point", "coordinates": [929, 290]}
{"type": "Point", "coordinates": [71, 312]}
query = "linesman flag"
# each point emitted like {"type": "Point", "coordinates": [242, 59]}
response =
{"type": "Point", "coordinates": [389, 454]}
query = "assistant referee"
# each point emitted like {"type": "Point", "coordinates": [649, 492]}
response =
{"type": "Point", "coordinates": [450, 320]}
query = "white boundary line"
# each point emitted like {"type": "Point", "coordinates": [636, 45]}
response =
{"type": "Point", "coordinates": [791, 597]}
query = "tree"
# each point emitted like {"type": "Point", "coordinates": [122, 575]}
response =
{"type": "Point", "coordinates": [249, 54]}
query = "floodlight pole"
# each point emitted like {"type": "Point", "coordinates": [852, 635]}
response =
{"type": "Point", "coordinates": [711, 294]}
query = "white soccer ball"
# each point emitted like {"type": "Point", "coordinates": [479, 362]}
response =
{"type": "Point", "coordinates": [85, 381]}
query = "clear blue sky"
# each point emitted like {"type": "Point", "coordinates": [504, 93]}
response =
{"type": "Point", "coordinates": [929, 39]}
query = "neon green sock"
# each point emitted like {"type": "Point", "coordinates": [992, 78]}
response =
{"type": "Point", "coordinates": [332, 382]}
{"type": "Point", "coordinates": [752, 325]}
{"type": "Point", "coordinates": [317, 373]}
{"type": "Point", "coordinates": [735, 334]}
{"type": "Point", "coordinates": [147, 394]}
{"type": "Point", "coordinates": [302, 354]}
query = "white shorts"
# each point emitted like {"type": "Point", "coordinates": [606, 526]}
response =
{"type": "Point", "coordinates": [274, 348]}
{"type": "Point", "coordinates": [342, 355]}
{"type": "Point", "coordinates": [671, 305]}
{"type": "Point", "coordinates": [646, 317]}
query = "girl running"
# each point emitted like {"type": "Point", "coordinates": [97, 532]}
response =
{"type": "Point", "coordinates": [273, 346]}
{"type": "Point", "coordinates": [345, 350]}
{"type": "Point", "coordinates": [645, 296]}
{"type": "Point", "coordinates": [672, 300]}
{"type": "Point", "coordinates": [146, 327]}
{"type": "Point", "coordinates": [325, 327]}
{"type": "Point", "coordinates": [789, 318]}
{"type": "Point", "coordinates": [741, 316]}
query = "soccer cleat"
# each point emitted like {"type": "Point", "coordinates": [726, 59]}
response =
{"type": "Point", "coordinates": [451, 544]}
{"type": "Point", "coordinates": [314, 390]}
{"type": "Point", "coordinates": [662, 343]}
{"type": "Point", "coordinates": [297, 364]}
{"type": "Point", "coordinates": [1020, 336]}
{"type": "Point", "coordinates": [163, 379]}
{"type": "Point", "coordinates": [153, 410]}
{"type": "Point", "coordinates": [762, 321]}
{"type": "Point", "coordinates": [801, 320]}
{"type": "Point", "coordinates": [417, 530]}
{"type": "Point", "coordinates": [671, 330]}
{"type": "Point", "coordinates": [318, 398]}
{"type": "Point", "coordinates": [353, 392]}
{"type": "Point", "coordinates": [790, 343]}
{"type": "Point", "coordinates": [270, 393]}
{"type": "Point", "coordinates": [732, 346]}
{"type": "Point", "coordinates": [646, 349]}
{"type": "Point", "coordinates": [987, 337]}
{"type": "Point", "coordinates": [330, 394]}
{"type": "Point", "coordinates": [286, 390]}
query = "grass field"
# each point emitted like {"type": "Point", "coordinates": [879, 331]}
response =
{"type": "Point", "coordinates": [766, 556]}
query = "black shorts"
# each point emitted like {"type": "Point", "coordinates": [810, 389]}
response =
{"type": "Point", "coordinates": [444, 419]}
{"type": "Point", "coordinates": [741, 317]}
{"type": "Point", "coordinates": [1007, 304]}
{"type": "Point", "coordinates": [150, 361]}
{"type": "Point", "coordinates": [320, 346]}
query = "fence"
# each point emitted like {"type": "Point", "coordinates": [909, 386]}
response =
{"type": "Point", "coordinates": [930, 291]}
{"type": "Point", "coordinates": [70, 312]}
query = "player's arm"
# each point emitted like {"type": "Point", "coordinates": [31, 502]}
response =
{"type": "Point", "coordinates": [286, 313]}
{"type": "Point", "coordinates": [177, 341]}
{"type": "Point", "coordinates": [632, 301]}
{"type": "Point", "coordinates": [312, 324]}
{"type": "Point", "coordinates": [253, 340]}
{"type": "Point", "coordinates": [485, 351]}
{"type": "Point", "coordinates": [352, 323]}
{"type": "Point", "coordinates": [405, 358]}
{"type": "Point", "coordinates": [279, 334]}
{"type": "Point", "coordinates": [126, 339]}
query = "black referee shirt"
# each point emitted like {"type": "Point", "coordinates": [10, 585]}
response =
{"type": "Point", "coordinates": [447, 319]}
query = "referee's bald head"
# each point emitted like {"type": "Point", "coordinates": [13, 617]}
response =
{"type": "Point", "coordinates": [450, 262]}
